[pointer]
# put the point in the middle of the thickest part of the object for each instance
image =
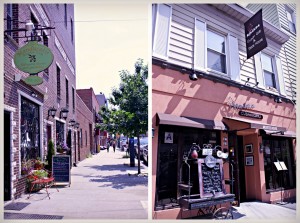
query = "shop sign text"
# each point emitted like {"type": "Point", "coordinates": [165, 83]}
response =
{"type": "Point", "coordinates": [250, 115]}
{"type": "Point", "coordinates": [234, 105]}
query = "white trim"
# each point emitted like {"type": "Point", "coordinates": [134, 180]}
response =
{"type": "Point", "coordinates": [164, 57]}
{"type": "Point", "coordinates": [200, 47]}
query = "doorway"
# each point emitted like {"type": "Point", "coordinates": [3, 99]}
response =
{"type": "Point", "coordinates": [75, 146]}
{"type": "Point", "coordinates": [241, 162]}
{"type": "Point", "coordinates": [7, 157]}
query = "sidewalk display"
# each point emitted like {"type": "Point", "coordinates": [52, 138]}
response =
{"type": "Point", "coordinates": [280, 166]}
{"type": "Point", "coordinates": [61, 169]}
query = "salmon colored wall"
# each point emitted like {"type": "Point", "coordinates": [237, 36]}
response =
{"type": "Point", "coordinates": [252, 177]}
{"type": "Point", "coordinates": [174, 93]}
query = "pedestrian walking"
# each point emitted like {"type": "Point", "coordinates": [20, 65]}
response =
{"type": "Point", "coordinates": [114, 146]}
{"type": "Point", "coordinates": [107, 147]}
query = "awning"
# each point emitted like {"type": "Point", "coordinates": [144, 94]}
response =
{"type": "Point", "coordinates": [167, 119]}
{"type": "Point", "coordinates": [249, 124]}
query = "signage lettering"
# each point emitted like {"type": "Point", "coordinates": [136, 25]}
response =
{"type": "Point", "coordinates": [250, 115]}
{"type": "Point", "coordinates": [255, 36]}
{"type": "Point", "coordinates": [234, 105]}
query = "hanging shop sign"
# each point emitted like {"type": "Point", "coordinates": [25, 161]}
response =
{"type": "Point", "coordinates": [250, 115]}
{"type": "Point", "coordinates": [32, 59]}
{"type": "Point", "coordinates": [255, 36]}
{"type": "Point", "coordinates": [231, 103]}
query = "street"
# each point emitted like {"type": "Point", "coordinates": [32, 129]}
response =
{"type": "Point", "coordinates": [102, 187]}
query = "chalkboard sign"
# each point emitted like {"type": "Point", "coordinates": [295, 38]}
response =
{"type": "Point", "coordinates": [61, 169]}
{"type": "Point", "coordinates": [211, 180]}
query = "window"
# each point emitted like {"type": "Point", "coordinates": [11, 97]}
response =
{"type": "Point", "coordinates": [72, 31]}
{"type": "Point", "coordinates": [9, 18]}
{"type": "Point", "coordinates": [45, 41]}
{"type": "Point", "coordinates": [216, 57]}
{"type": "Point", "coordinates": [162, 30]}
{"type": "Point", "coordinates": [30, 130]}
{"type": "Point", "coordinates": [60, 133]}
{"type": "Point", "coordinates": [34, 20]}
{"type": "Point", "coordinates": [73, 99]}
{"type": "Point", "coordinates": [81, 141]}
{"type": "Point", "coordinates": [67, 93]}
{"type": "Point", "coordinates": [278, 149]}
{"type": "Point", "coordinates": [291, 19]}
{"type": "Point", "coordinates": [269, 74]}
{"type": "Point", "coordinates": [268, 71]}
{"type": "Point", "coordinates": [58, 81]}
{"type": "Point", "coordinates": [86, 138]}
{"type": "Point", "coordinates": [211, 54]}
{"type": "Point", "coordinates": [66, 15]}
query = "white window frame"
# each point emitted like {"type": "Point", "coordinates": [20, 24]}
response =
{"type": "Point", "coordinates": [165, 56]}
{"type": "Point", "coordinates": [273, 72]}
{"type": "Point", "coordinates": [210, 70]}
{"type": "Point", "coordinates": [277, 70]}
{"type": "Point", "coordinates": [231, 52]}
{"type": "Point", "coordinates": [290, 11]}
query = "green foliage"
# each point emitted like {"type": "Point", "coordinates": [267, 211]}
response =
{"type": "Point", "coordinates": [50, 153]}
{"type": "Point", "coordinates": [130, 112]}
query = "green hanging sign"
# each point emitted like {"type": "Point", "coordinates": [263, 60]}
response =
{"type": "Point", "coordinates": [33, 58]}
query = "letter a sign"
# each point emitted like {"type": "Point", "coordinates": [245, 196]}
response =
{"type": "Point", "coordinates": [168, 137]}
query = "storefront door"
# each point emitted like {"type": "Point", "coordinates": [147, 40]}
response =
{"type": "Point", "coordinates": [241, 166]}
{"type": "Point", "coordinates": [7, 161]}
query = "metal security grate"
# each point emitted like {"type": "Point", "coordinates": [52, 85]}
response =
{"type": "Point", "coordinates": [30, 216]}
{"type": "Point", "coordinates": [18, 206]}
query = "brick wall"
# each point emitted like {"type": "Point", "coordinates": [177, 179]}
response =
{"type": "Point", "coordinates": [46, 92]}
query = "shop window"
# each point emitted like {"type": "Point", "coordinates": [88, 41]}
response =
{"type": "Point", "coordinates": [170, 158]}
{"type": "Point", "coordinates": [290, 15]}
{"type": "Point", "coordinates": [12, 21]}
{"type": "Point", "coordinates": [269, 73]}
{"type": "Point", "coordinates": [60, 134]}
{"type": "Point", "coordinates": [30, 130]}
{"type": "Point", "coordinates": [211, 54]}
{"type": "Point", "coordinates": [161, 30]}
{"type": "Point", "coordinates": [216, 55]}
{"type": "Point", "coordinates": [278, 150]}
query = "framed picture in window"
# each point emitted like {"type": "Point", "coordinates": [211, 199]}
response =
{"type": "Point", "coordinates": [248, 148]}
{"type": "Point", "coordinates": [249, 160]}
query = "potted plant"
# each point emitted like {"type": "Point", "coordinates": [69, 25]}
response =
{"type": "Point", "coordinates": [35, 175]}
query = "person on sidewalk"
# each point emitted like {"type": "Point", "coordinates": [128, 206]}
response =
{"type": "Point", "coordinates": [107, 147]}
{"type": "Point", "coordinates": [114, 146]}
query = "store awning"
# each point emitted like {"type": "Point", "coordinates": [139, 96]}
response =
{"type": "Point", "coordinates": [167, 119]}
{"type": "Point", "coordinates": [248, 126]}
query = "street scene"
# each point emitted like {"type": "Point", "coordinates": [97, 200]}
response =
{"type": "Point", "coordinates": [75, 111]}
{"type": "Point", "coordinates": [224, 111]}
{"type": "Point", "coordinates": [103, 186]}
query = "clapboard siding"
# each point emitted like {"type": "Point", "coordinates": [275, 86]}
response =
{"type": "Point", "coordinates": [182, 34]}
{"type": "Point", "coordinates": [269, 12]}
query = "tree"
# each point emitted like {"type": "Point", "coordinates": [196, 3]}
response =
{"type": "Point", "coordinates": [129, 114]}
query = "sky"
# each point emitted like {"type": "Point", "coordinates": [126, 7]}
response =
{"type": "Point", "coordinates": [109, 37]}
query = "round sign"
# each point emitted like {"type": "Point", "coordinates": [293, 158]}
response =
{"type": "Point", "coordinates": [33, 58]}
{"type": "Point", "coordinates": [219, 153]}
{"type": "Point", "coordinates": [33, 80]}
{"type": "Point", "coordinates": [210, 161]}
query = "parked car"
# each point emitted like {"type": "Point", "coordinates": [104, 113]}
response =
{"type": "Point", "coordinates": [143, 143]}
{"type": "Point", "coordinates": [145, 153]}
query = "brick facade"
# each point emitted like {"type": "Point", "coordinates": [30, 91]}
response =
{"type": "Point", "coordinates": [44, 95]}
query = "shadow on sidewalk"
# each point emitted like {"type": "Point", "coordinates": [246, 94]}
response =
{"type": "Point", "coordinates": [119, 167]}
{"type": "Point", "coordinates": [121, 181]}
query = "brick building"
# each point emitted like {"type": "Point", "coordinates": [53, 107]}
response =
{"type": "Point", "coordinates": [27, 122]}
{"type": "Point", "coordinates": [103, 134]}
{"type": "Point", "coordinates": [89, 98]}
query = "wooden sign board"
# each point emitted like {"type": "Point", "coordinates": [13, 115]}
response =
{"type": "Point", "coordinates": [211, 179]}
{"type": "Point", "coordinates": [61, 169]}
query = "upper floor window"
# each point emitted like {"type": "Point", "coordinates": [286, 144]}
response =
{"type": "Point", "coordinates": [58, 81]}
{"type": "Point", "coordinates": [162, 29]}
{"type": "Point", "coordinates": [291, 19]}
{"type": "Point", "coordinates": [9, 18]}
{"type": "Point", "coordinates": [67, 93]}
{"type": "Point", "coordinates": [216, 57]}
{"type": "Point", "coordinates": [72, 31]}
{"type": "Point", "coordinates": [268, 71]}
{"type": "Point", "coordinates": [66, 15]}
{"type": "Point", "coordinates": [73, 99]}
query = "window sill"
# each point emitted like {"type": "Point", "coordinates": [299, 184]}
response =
{"type": "Point", "coordinates": [217, 73]}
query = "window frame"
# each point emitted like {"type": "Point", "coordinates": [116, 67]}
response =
{"type": "Point", "coordinates": [208, 29]}
{"type": "Point", "coordinates": [291, 12]}
{"type": "Point", "coordinates": [58, 81]}
{"type": "Point", "coordinates": [274, 72]}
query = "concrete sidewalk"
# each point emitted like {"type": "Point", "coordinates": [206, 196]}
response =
{"type": "Point", "coordinates": [101, 188]}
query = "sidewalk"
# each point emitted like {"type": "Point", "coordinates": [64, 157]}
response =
{"type": "Point", "coordinates": [101, 188]}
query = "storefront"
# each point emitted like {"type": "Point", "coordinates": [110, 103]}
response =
{"type": "Point", "coordinates": [254, 130]}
